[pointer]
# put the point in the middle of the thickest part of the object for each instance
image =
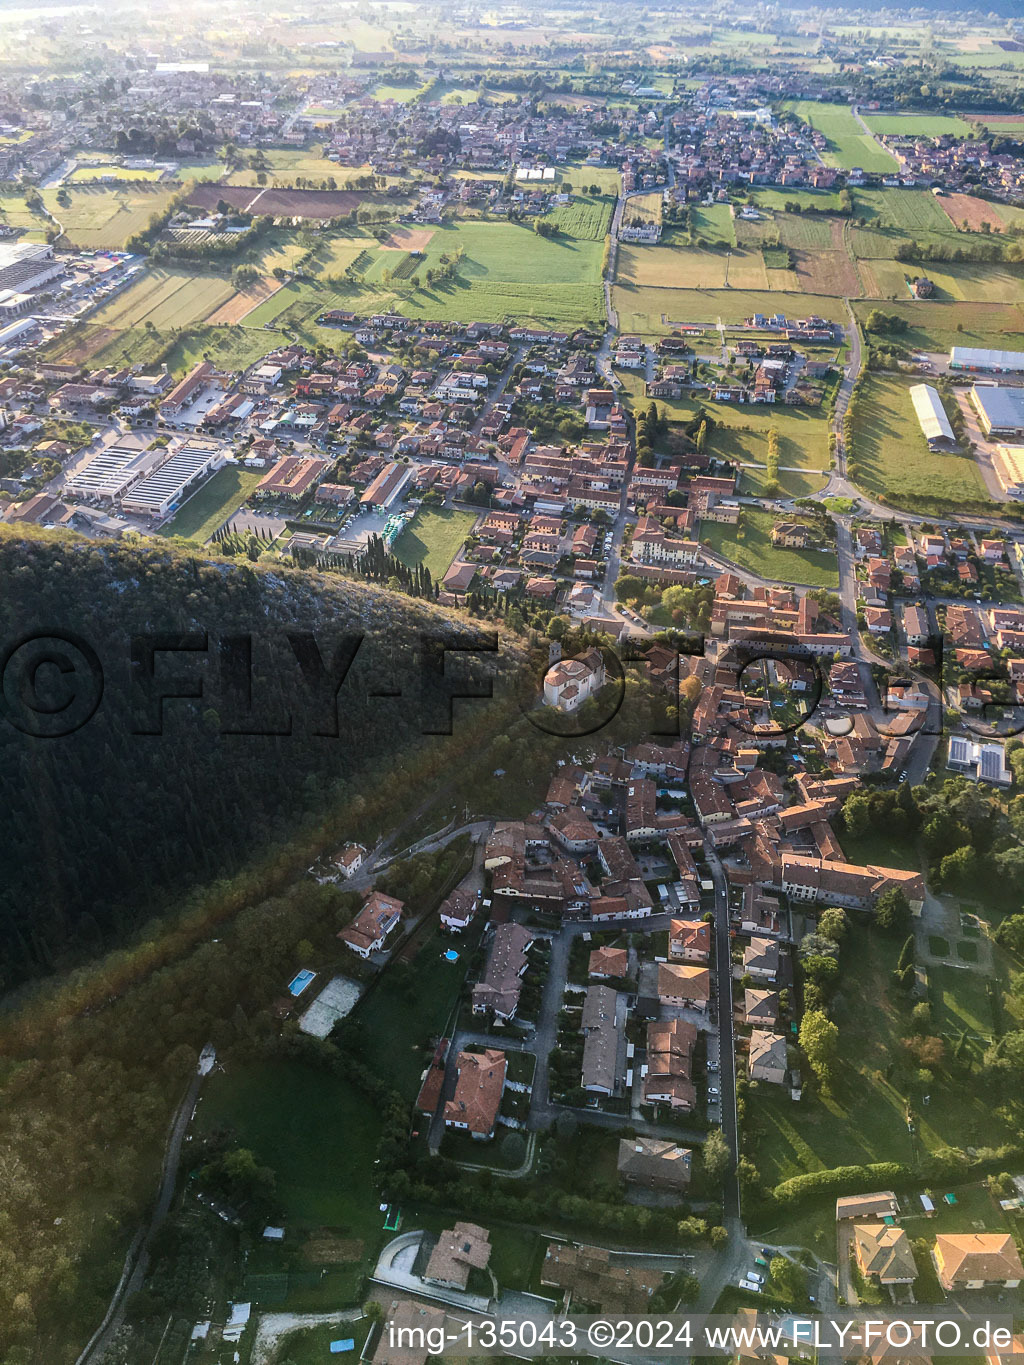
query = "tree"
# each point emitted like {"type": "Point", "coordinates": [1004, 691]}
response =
{"type": "Point", "coordinates": [959, 869]}
{"type": "Point", "coordinates": [833, 924]}
{"type": "Point", "coordinates": [1010, 934]}
{"type": "Point", "coordinates": [819, 1038]}
{"type": "Point", "coordinates": [719, 1237]}
{"type": "Point", "coordinates": [892, 911]}
{"type": "Point", "coordinates": [717, 1157]}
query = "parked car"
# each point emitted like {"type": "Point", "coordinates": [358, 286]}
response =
{"type": "Point", "coordinates": [753, 1275]}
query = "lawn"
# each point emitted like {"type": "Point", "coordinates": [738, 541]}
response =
{"type": "Point", "coordinates": [166, 299]}
{"type": "Point", "coordinates": [919, 125]}
{"type": "Point", "coordinates": [312, 1345]}
{"type": "Point", "coordinates": [314, 1130]}
{"type": "Point", "coordinates": [434, 537]}
{"type": "Point", "coordinates": [97, 172]}
{"type": "Point", "coordinates": [714, 223]}
{"type": "Point", "coordinates": [848, 146]}
{"type": "Point", "coordinates": [915, 211]}
{"type": "Point", "coordinates": [865, 1119]}
{"type": "Point", "coordinates": [208, 508]}
{"type": "Point", "coordinates": [749, 544]}
{"type": "Point", "coordinates": [586, 218]}
{"type": "Point", "coordinates": [822, 201]}
{"type": "Point", "coordinates": [960, 1000]}
{"type": "Point", "coordinates": [402, 1015]}
{"type": "Point", "coordinates": [890, 459]}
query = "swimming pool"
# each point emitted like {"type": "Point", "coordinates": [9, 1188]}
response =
{"type": "Point", "coordinates": [299, 982]}
{"type": "Point", "coordinates": [451, 955]}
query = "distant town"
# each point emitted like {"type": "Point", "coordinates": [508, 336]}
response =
{"type": "Point", "coordinates": [680, 356]}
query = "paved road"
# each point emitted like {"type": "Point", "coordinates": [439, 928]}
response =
{"type": "Point", "coordinates": [726, 1039]}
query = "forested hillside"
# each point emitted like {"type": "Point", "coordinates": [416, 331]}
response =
{"type": "Point", "coordinates": [102, 828]}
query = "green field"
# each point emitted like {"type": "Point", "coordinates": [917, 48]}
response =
{"type": "Point", "coordinates": [749, 545]}
{"type": "Point", "coordinates": [97, 172]}
{"type": "Point", "coordinates": [865, 1118]}
{"type": "Point", "coordinates": [936, 326]}
{"type": "Point", "coordinates": [892, 462]}
{"type": "Point", "coordinates": [654, 311]}
{"type": "Point", "coordinates": [823, 201]}
{"type": "Point", "coordinates": [208, 508]}
{"type": "Point", "coordinates": [500, 269]}
{"type": "Point", "coordinates": [741, 430]}
{"type": "Point", "coordinates": [104, 217]}
{"type": "Point", "coordinates": [166, 299]}
{"type": "Point", "coordinates": [434, 537]}
{"type": "Point", "coordinates": [683, 267]}
{"type": "Point", "coordinates": [919, 125]}
{"type": "Point", "coordinates": [586, 218]}
{"type": "Point", "coordinates": [314, 1130]}
{"type": "Point", "coordinates": [848, 145]}
{"type": "Point", "coordinates": [714, 223]}
{"type": "Point", "coordinates": [916, 211]}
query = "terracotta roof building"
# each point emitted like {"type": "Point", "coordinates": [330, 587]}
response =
{"type": "Point", "coordinates": [477, 1099]}
{"type": "Point", "coordinates": [458, 1250]}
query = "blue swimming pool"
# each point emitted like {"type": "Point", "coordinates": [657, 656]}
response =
{"type": "Point", "coordinates": [300, 982]}
{"type": "Point", "coordinates": [451, 955]}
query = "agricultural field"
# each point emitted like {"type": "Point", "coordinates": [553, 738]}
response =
{"type": "Point", "coordinates": [913, 211]}
{"type": "Point", "coordinates": [848, 145]}
{"type": "Point", "coordinates": [103, 217]}
{"type": "Point", "coordinates": [165, 299]}
{"type": "Point", "coordinates": [499, 271]}
{"type": "Point", "coordinates": [682, 267]}
{"type": "Point", "coordinates": [891, 462]}
{"type": "Point", "coordinates": [101, 171]}
{"type": "Point", "coordinates": [936, 326]}
{"type": "Point", "coordinates": [586, 219]}
{"type": "Point", "coordinates": [749, 544]}
{"type": "Point", "coordinates": [211, 505]}
{"type": "Point", "coordinates": [969, 213]}
{"type": "Point", "coordinates": [643, 207]}
{"type": "Point", "coordinates": [919, 125]}
{"type": "Point", "coordinates": [434, 537]}
{"type": "Point", "coordinates": [820, 201]}
{"type": "Point", "coordinates": [655, 311]}
{"type": "Point", "coordinates": [287, 164]}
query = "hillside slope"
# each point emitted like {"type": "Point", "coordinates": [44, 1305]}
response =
{"type": "Point", "coordinates": [100, 828]}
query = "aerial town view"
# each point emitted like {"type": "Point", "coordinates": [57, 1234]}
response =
{"type": "Point", "coordinates": [511, 682]}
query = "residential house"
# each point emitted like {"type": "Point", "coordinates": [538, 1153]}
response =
{"type": "Point", "coordinates": [478, 1091]}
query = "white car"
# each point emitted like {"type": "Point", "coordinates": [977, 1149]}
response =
{"type": "Point", "coordinates": [712, 1092]}
{"type": "Point", "coordinates": [753, 1275]}
{"type": "Point", "coordinates": [750, 1284]}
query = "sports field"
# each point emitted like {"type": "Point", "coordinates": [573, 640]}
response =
{"type": "Point", "coordinates": [434, 537]}
{"type": "Point", "coordinates": [848, 145]}
{"type": "Point", "coordinates": [891, 460]}
{"type": "Point", "coordinates": [166, 299]}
